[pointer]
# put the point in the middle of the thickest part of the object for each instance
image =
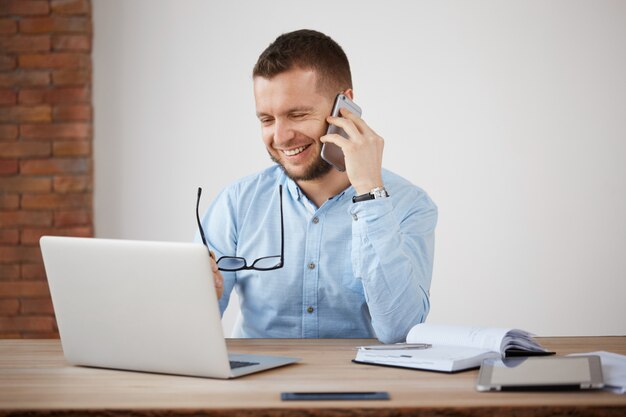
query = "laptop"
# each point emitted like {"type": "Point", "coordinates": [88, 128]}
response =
{"type": "Point", "coordinates": [141, 306]}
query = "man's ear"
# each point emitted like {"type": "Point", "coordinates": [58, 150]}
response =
{"type": "Point", "coordinates": [349, 93]}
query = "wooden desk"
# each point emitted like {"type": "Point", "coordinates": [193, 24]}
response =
{"type": "Point", "coordinates": [35, 380]}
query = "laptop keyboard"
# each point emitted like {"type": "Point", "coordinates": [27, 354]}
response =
{"type": "Point", "coordinates": [241, 364]}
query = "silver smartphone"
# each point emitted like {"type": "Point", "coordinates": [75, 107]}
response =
{"type": "Point", "coordinates": [332, 153]}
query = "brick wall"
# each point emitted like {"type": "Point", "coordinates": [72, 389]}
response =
{"type": "Point", "coordinates": [45, 149]}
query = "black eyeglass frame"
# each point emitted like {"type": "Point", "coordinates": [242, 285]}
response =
{"type": "Point", "coordinates": [239, 258]}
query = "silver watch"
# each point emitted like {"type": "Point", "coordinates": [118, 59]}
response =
{"type": "Point", "coordinates": [378, 192]}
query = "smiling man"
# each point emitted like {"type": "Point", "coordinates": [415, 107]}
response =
{"type": "Point", "coordinates": [338, 254]}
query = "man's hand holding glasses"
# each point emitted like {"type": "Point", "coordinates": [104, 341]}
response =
{"type": "Point", "coordinates": [237, 263]}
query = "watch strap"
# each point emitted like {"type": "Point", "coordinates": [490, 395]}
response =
{"type": "Point", "coordinates": [378, 192]}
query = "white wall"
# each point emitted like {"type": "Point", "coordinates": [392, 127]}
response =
{"type": "Point", "coordinates": [511, 114]}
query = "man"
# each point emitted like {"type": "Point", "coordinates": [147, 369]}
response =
{"type": "Point", "coordinates": [350, 269]}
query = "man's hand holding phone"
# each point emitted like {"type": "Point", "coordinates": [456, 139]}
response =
{"type": "Point", "coordinates": [363, 150]}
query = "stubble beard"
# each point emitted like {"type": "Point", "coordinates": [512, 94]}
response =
{"type": "Point", "coordinates": [316, 170]}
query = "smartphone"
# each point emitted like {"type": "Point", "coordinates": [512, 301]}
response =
{"type": "Point", "coordinates": [334, 396]}
{"type": "Point", "coordinates": [332, 153]}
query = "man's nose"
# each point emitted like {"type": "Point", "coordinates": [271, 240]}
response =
{"type": "Point", "coordinates": [283, 131]}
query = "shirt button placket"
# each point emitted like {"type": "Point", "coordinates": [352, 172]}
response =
{"type": "Point", "coordinates": [312, 252]}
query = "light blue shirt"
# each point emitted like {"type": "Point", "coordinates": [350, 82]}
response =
{"type": "Point", "coordinates": [352, 270]}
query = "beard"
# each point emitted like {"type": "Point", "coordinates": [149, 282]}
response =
{"type": "Point", "coordinates": [317, 169]}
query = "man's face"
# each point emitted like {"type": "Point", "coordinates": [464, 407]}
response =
{"type": "Point", "coordinates": [293, 115]}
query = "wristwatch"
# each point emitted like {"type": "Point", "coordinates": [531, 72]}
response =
{"type": "Point", "coordinates": [378, 192]}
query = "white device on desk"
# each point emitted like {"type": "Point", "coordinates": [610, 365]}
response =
{"type": "Point", "coordinates": [141, 306]}
{"type": "Point", "coordinates": [540, 373]}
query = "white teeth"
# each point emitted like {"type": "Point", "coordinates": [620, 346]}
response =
{"type": "Point", "coordinates": [293, 152]}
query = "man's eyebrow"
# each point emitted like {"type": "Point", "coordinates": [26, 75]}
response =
{"type": "Point", "coordinates": [297, 109]}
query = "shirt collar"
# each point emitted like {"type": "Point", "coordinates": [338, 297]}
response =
{"type": "Point", "coordinates": [297, 194]}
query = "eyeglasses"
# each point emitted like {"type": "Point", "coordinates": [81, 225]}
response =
{"type": "Point", "coordinates": [237, 263]}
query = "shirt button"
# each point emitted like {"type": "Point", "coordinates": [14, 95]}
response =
{"type": "Point", "coordinates": [311, 265]}
{"type": "Point", "coordinates": [310, 309]}
{"type": "Point", "coordinates": [316, 220]}
{"type": "Point", "coordinates": [355, 217]}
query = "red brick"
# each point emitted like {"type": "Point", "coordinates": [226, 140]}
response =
{"type": "Point", "coordinates": [27, 323]}
{"type": "Point", "coordinates": [56, 201]}
{"type": "Point", "coordinates": [74, 113]}
{"type": "Point", "coordinates": [68, 95]}
{"type": "Point", "coordinates": [16, 254]}
{"type": "Point", "coordinates": [64, 218]}
{"type": "Point", "coordinates": [52, 166]}
{"type": "Point", "coordinates": [9, 201]}
{"type": "Point", "coordinates": [23, 7]}
{"type": "Point", "coordinates": [32, 236]}
{"type": "Point", "coordinates": [73, 148]}
{"type": "Point", "coordinates": [55, 24]}
{"type": "Point", "coordinates": [56, 131]}
{"type": "Point", "coordinates": [9, 307]}
{"type": "Point", "coordinates": [7, 63]}
{"type": "Point", "coordinates": [37, 306]}
{"type": "Point", "coordinates": [8, 26]}
{"type": "Point", "coordinates": [8, 132]}
{"type": "Point", "coordinates": [81, 43]}
{"type": "Point", "coordinates": [28, 96]}
{"type": "Point", "coordinates": [54, 60]}
{"type": "Point", "coordinates": [71, 183]}
{"type": "Point", "coordinates": [7, 97]}
{"type": "Point", "coordinates": [71, 77]}
{"type": "Point", "coordinates": [71, 6]}
{"type": "Point", "coordinates": [8, 166]}
{"type": "Point", "coordinates": [25, 289]}
{"type": "Point", "coordinates": [21, 114]}
{"type": "Point", "coordinates": [23, 184]}
{"type": "Point", "coordinates": [54, 334]}
{"type": "Point", "coordinates": [33, 272]}
{"type": "Point", "coordinates": [9, 272]}
{"type": "Point", "coordinates": [25, 43]}
{"type": "Point", "coordinates": [25, 218]}
{"type": "Point", "coordinates": [9, 236]}
{"type": "Point", "coordinates": [21, 149]}
{"type": "Point", "coordinates": [25, 79]}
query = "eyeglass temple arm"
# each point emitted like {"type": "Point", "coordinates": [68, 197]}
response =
{"type": "Point", "coordinates": [282, 227]}
{"type": "Point", "coordinates": [198, 218]}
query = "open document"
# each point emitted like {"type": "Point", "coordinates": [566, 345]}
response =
{"type": "Point", "coordinates": [451, 348]}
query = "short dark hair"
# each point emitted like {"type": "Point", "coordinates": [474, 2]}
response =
{"type": "Point", "coordinates": [306, 49]}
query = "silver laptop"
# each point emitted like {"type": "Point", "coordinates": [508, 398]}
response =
{"type": "Point", "coordinates": [141, 306]}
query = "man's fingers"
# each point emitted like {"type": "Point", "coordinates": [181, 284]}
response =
{"type": "Point", "coordinates": [354, 118]}
{"type": "Point", "coordinates": [335, 138]}
{"type": "Point", "coordinates": [218, 280]}
{"type": "Point", "coordinates": [345, 124]}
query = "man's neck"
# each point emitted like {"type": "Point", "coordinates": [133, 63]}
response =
{"type": "Point", "coordinates": [320, 190]}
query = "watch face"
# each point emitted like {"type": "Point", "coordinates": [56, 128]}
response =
{"type": "Point", "coordinates": [379, 192]}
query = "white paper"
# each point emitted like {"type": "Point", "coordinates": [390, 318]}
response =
{"type": "Point", "coordinates": [489, 338]}
{"type": "Point", "coordinates": [437, 358]}
{"type": "Point", "coordinates": [613, 370]}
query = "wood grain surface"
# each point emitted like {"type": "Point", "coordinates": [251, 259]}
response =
{"type": "Point", "coordinates": [35, 380]}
